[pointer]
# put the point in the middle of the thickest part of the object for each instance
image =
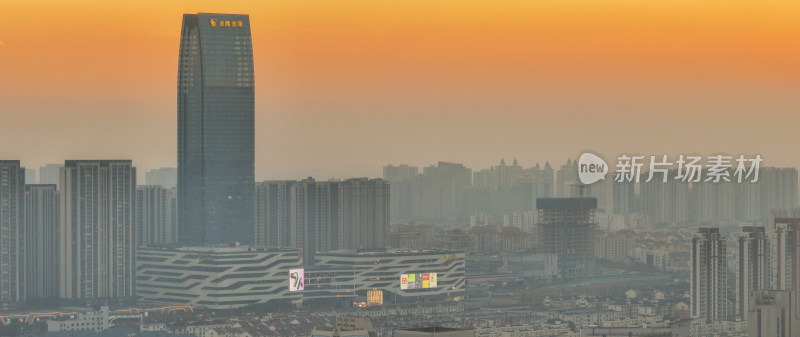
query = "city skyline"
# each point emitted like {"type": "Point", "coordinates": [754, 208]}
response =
{"type": "Point", "coordinates": [462, 72]}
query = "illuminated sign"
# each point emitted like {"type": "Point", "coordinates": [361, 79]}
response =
{"type": "Point", "coordinates": [225, 23]}
{"type": "Point", "coordinates": [296, 279]}
{"type": "Point", "coordinates": [418, 281]}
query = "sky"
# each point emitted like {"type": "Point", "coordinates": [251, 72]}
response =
{"type": "Point", "coordinates": [345, 87]}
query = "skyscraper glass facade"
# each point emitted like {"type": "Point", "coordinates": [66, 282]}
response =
{"type": "Point", "coordinates": [215, 129]}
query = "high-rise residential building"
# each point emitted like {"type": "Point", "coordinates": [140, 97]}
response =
{"type": "Point", "coordinates": [785, 242]}
{"type": "Point", "coordinates": [363, 214]}
{"type": "Point", "coordinates": [41, 251]}
{"type": "Point", "coordinates": [614, 246]}
{"type": "Point", "coordinates": [784, 236]}
{"type": "Point", "coordinates": [436, 193]}
{"type": "Point", "coordinates": [624, 197]}
{"type": "Point", "coordinates": [753, 267]}
{"type": "Point", "coordinates": [713, 203]}
{"type": "Point", "coordinates": [566, 177]}
{"type": "Point", "coordinates": [156, 218]}
{"type": "Point", "coordinates": [709, 275]}
{"type": "Point", "coordinates": [166, 177]}
{"type": "Point", "coordinates": [772, 313]}
{"type": "Point", "coordinates": [665, 202]}
{"type": "Point", "coordinates": [777, 189]}
{"type": "Point", "coordinates": [322, 216]}
{"type": "Point", "coordinates": [566, 227]}
{"type": "Point", "coordinates": [30, 176]}
{"type": "Point", "coordinates": [96, 231]}
{"type": "Point", "coordinates": [498, 176]}
{"type": "Point", "coordinates": [215, 129]}
{"type": "Point", "coordinates": [399, 177]}
{"type": "Point", "coordinates": [12, 234]}
{"type": "Point", "coordinates": [49, 174]}
{"type": "Point", "coordinates": [314, 217]}
{"type": "Point", "coordinates": [273, 213]}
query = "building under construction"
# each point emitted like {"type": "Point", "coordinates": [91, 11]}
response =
{"type": "Point", "coordinates": [566, 227]}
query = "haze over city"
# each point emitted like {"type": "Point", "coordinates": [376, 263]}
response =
{"type": "Point", "coordinates": [373, 168]}
{"type": "Point", "coordinates": [343, 88]}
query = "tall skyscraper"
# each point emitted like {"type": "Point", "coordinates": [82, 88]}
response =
{"type": "Point", "coordinates": [12, 234]}
{"type": "Point", "coordinates": [215, 129]}
{"type": "Point", "coordinates": [709, 275]}
{"type": "Point", "coordinates": [41, 253]}
{"type": "Point", "coordinates": [566, 227]}
{"type": "Point", "coordinates": [754, 266]}
{"type": "Point", "coordinates": [96, 230]}
{"type": "Point", "coordinates": [155, 215]}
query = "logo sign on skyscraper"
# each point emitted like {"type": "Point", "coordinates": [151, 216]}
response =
{"type": "Point", "coordinates": [225, 23]}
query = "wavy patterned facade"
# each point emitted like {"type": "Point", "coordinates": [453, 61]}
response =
{"type": "Point", "coordinates": [236, 277]}
{"type": "Point", "coordinates": [215, 277]}
{"type": "Point", "coordinates": [352, 274]}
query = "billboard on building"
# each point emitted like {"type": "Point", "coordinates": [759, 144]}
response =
{"type": "Point", "coordinates": [418, 281]}
{"type": "Point", "coordinates": [296, 279]}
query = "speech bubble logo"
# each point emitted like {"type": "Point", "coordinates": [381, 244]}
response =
{"type": "Point", "coordinates": [591, 168]}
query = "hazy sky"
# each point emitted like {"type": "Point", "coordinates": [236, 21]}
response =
{"type": "Point", "coordinates": [344, 87]}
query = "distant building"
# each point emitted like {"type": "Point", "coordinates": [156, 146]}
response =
{"type": "Point", "coordinates": [352, 274]}
{"type": "Point", "coordinates": [532, 266]}
{"type": "Point", "coordinates": [273, 213]}
{"type": "Point", "coordinates": [665, 202]}
{"type": "Point", "coordinates": [785, 242]}
{"type": "Point", "coordinates": [411, 236]}
{"type": "Point", "coordinates": [321, 216]}
{"type": "Point", "coordinates": [30, 176]}
{"type": "Point", "coordinates": [12, 234]}
{"type": "Point", "coordinates": [166, 177]}
{"type": "Point", "coordinates": [566, 228]}
{"type": "Point", "coordinates": [156, 215]}
{"type": "Point", "coordinates": [709, 276]}
{"type": "Point", "coordinates": [41, 251]}
{"type": "Point", "coordinates": [614, 246]}
{"type": "Point", "coordinates": [347, 326]}
{"type": "Point", "coordinates": [566, 177]}
{"type": "Point", "coordinates": [97, 231]}
{"type": "Point", "coordinates": [314, 217]}
{"type": "Point", "coordinates": [363, 214]}
{"type": "Point", "coordinates": [772, 313]}
{"type": "Point", "coordinates": [777, 188]}
{"type": "Point", "coordinates": [49, 174]}
{"type": "Point", "coordinates": [96, 321]}
{"type": "Point", "coordinates": [216, 277]}
{"type": "Point", "coordinates": [399, 178]}
{"type": "Point", "coordinates": [434, 331]}
{"type": "Point", "coordinates": [436, 193]}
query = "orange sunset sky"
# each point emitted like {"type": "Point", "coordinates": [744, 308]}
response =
{"type": "Point", "coordinates": [344, 87]}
